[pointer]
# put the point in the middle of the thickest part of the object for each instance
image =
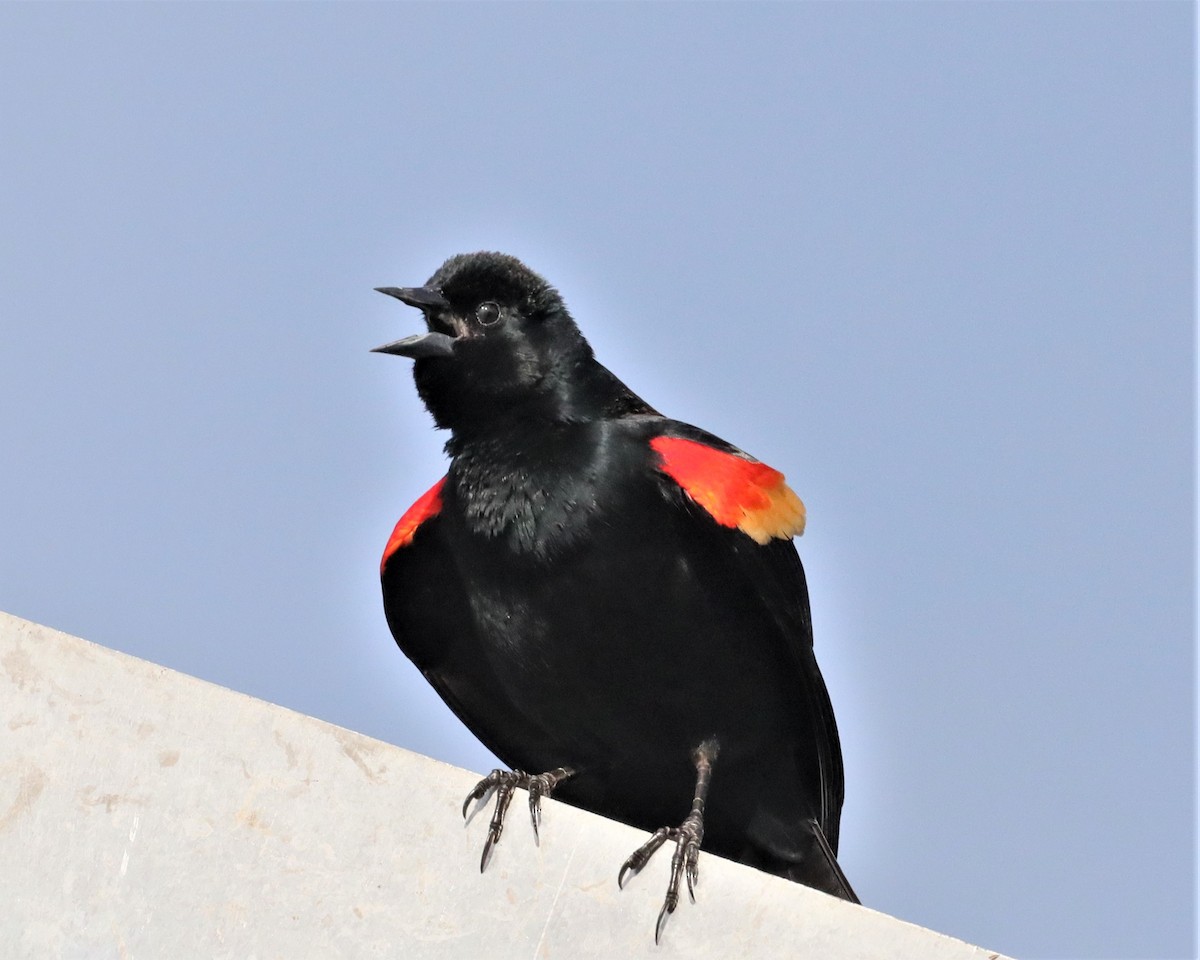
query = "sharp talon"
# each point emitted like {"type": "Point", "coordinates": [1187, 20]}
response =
{"type": "Point", "coordinates": [662, 921]}
{"type": "Point", "coordinates": [621, 876]}
{"type": "Point", "coordinates": [535, 810]}
{"type": "Point", "coordinates": [483, 789]}
{"type": "Point", "coordinates": [487, 852]}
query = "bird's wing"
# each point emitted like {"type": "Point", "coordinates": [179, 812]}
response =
{"type": "Point", "coordinates": [429, 613]}
{"type": "Point", "coordinates": [760, 514]}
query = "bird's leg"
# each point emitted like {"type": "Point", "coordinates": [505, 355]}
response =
{"type": "Point", "coordinates": [687, 836]}
{"type": "Point", "coordinates": [504, 782]}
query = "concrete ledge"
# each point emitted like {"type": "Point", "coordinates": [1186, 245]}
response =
{"type": "Point", "coordinates": [147, 814]}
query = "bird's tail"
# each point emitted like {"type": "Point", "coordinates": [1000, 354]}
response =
{"type": "Point", "coordinates": [823, 872]}
{"type": "Point", "coordinates": [808, 859]}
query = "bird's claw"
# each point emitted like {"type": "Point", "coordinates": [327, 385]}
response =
{"type": "Point", "coordinates": [483, 788]}
{"type": "Point", "coordinates": [504, 783]}
{"type": "Point", "coordinates": [504, 795]}
{"type": "Point", "coordinates": [693, 870]}
{"type": "Point", "coordinates": [641, 856]}
{"type": "Point", "coordinates": [540, 786]}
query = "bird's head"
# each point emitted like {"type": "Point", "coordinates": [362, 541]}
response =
{"type": "Point", "coordinates": [500, 341]}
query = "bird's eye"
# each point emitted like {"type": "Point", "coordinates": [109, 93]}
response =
{"type": "Point", "coordinates": [487, 313]}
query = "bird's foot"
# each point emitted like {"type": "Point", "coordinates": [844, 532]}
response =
{"type": "Point", "coordinates": [503, 783]}
{"type": "Point", "coordinates": [687, 837]}
{"type": "Point", "coordinates": [684, 863]}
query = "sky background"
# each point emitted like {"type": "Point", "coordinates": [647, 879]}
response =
{"type": "Point", "coordinates": [933, 261]}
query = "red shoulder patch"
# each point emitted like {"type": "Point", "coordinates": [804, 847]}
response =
{"type": "Point", "coordinates": [429, 505]}
{"type": "Point", "coordinates": [738, 491]}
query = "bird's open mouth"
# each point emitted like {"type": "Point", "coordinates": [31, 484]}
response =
{"type": "Point", "coordinates": [436, 343]}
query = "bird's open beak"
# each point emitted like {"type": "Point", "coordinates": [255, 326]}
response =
{"type": "Point", "coordinates": [422, 344]}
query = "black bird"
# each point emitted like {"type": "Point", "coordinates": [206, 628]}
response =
{"type": "Point", "coordinates": [608, 598]}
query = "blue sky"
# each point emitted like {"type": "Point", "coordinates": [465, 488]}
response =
{"type": "Point", "coordinates": [933, 261]}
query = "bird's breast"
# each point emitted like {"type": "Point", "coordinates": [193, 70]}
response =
{"type": "Point", "coordinates": [537, 499]}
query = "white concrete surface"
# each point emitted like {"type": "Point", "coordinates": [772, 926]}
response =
{"type": "Point", "coordinates": [147, 815]}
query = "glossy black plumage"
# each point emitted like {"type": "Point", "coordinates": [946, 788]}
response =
{"type": "Point", "coordinates": [577, 607]}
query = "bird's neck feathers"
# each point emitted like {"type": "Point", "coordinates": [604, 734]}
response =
{"type": "Point", "coordinates": [568, 389]}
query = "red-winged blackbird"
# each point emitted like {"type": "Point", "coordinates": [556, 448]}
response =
{"type": "Point", "coordinates": [609, 597]}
